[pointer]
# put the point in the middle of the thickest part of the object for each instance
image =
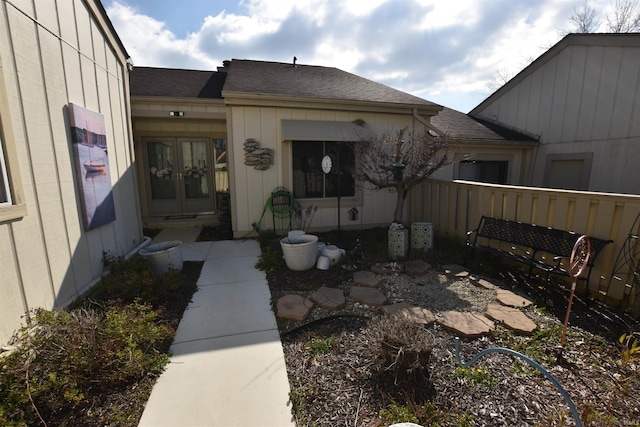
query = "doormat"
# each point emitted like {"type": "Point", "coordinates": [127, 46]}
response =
{"type": "Point", "coordinates": [180, 217]}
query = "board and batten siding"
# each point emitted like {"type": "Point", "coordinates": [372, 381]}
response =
{"type": "Point", "coordinates": [53, 54]}
{"type": "Point", "coordinates": [251, 189]}
{"type": "Point", "coordinates": [582, 96]}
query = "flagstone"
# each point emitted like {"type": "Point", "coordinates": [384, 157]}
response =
{"type": "Point", "coordinates": [368, 296]}
{"type": "Point", "coordinates": [468, 324]}
{"type": "Point", "coordinates": [387, 268]}
{"type": "Point", "coordinates": [294, 307]}
{"type": "Point", "coordinates": [508, 298]}
{"type": "Point", "coordinates": [367, 279]}
{"type": "Point", "coordinates": [512, 318]}
{"type": "Point", "coordinates": [416, 267]}
{"type": "Point", "coordinates": [482, 283]}
{"type": "Point", "coordinates": [455, 271]}
{"type": "Point", "coordinates": [329, 298]}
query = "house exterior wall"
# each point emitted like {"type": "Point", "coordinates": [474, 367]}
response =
{"type": "Point", "coordinates": [582, 98]}
{"type": "Point", "coordinates": [151, 119]}
{"type": "Point", "coordinates": [251, 189]}
{"type": "Point", "coordinates": [53, 54]}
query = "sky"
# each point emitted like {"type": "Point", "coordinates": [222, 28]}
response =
{"type": "Point", "coordinates": [446, 51]}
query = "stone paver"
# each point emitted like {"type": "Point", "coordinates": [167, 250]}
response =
{"type": "Point", "coordinates": [407, 311]}
{"type": "Point", "coordinates": [510, 299]}
{"type": "Point", "coordinates": [367, 279]}
{"type": "Point", "coordinates": [368, 296]}
{"type": "Point", "coordinates": [482, 283]}
{"type": "Point", "coordinates": [385, 269]}
{"type": "Point", "coordinates": [512, 318]}
{"type": "Point", "coordinates": [455, 271]}
{"type": "Point", "coordinates": [329, 298]}
{"type": "Point", "coordinates": [294, 307]}
{"type": "Point", "coordinates": [468, 324]}
{"type": "Point", "coordinates": [417, 267]}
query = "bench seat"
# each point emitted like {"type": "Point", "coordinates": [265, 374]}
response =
{"type": "Point", "coordinates": [543, 248]}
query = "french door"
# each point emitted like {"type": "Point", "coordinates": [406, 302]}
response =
{"type": "Point", "coordinates": [179, 176]}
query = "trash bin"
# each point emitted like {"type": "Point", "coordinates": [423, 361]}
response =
{"type": "Point", "coordinates": [163, 256]}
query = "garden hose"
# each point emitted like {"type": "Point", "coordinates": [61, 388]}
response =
{"type": "Point", "coordinates": [276, 210]}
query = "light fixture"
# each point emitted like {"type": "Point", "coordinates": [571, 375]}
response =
{"type": "Point", "coordinates": [176, 113]}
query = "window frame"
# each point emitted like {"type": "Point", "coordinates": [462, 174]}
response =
{"type": "Point", "coordinates": [15, 208]}
{"type": "Point", "coordinates": [320, 202]}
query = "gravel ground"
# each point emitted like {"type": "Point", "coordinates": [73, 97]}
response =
{"type": "Point", "coordinates": [349, 385]}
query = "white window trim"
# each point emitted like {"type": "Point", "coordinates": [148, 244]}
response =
{"type": "Point", "coordinates": [4, 181]}
{"type": "Point", "coordinates": [16, 207]}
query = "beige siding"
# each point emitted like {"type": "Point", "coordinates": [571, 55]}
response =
{"type": "Point", "coordinates": [251, 189]}
{"type": "Point", "coordinates": [585, 98]}
{"type": "Point", "coordinates": [47, 257]}
{"type": "Point", "coordinates": [606, 216]}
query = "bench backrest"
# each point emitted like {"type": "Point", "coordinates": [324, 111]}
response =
{"type": "Point", "coordinates": [538, 238]}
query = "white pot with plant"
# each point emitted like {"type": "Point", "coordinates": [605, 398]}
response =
{"type": "Point", "coordinates": [300, 250]}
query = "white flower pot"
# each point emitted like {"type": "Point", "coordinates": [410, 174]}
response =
{"type": "Point", "coordinates": [163, 256]}
{"type": "Point", "coordinates": [333, 253]}
{"type": "Point", "coordinates": [301, 254]}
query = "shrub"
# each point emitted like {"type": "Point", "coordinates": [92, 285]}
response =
{"type": "Point", "coordinates": [68, 360]}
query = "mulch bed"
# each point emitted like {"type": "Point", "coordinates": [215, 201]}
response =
{"type": "Point", "coordinates": [349, 386]}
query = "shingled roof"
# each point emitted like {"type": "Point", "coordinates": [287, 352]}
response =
{"type": "Point", "coordinates": [176, 83]}
{"type": "Point", "coordinates": [310, 81]}
{"type": "Point", "coordinates": [462, 126]}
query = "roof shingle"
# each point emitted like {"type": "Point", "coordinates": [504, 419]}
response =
{"type": "Point", "coordinates": [309, 81]}
{"type": "Point", "coordinates": [176, 83]}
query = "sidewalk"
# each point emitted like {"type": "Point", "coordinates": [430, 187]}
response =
{"type": "Point", "coordinates": [227, 367]}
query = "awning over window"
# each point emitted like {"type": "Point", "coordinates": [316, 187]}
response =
{"type": "Point", "coordinates": [312, 130]}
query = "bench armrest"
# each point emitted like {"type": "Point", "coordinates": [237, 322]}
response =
{"type": "Point", "coordinates": [468, 236]}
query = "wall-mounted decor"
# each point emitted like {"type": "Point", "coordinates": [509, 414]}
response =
{"type": "Point", "coordinates": [89, 142]}
{"type": "Point", "coordinates": [254, 155]}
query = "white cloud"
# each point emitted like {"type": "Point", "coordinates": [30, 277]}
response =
{"type": "Point", "coordinates": [425, 47]}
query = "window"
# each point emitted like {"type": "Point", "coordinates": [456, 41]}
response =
{"type": "Point", "coordinates": [491, 171]}
{"type": "Point", "coordinates": [5, 194]}
{"type": "Point", "coordinates": [308, 179]}
{"type": "Point", "coordinates": [12, 204]}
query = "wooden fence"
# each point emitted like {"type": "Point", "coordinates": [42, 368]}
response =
{"type": "Point", "coordinates": [455, 207]}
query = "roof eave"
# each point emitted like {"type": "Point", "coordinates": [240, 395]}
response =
{"type": "Point", "coordinates": [264, 99]}
{"type": "Point", "coordinates": [175, 100]}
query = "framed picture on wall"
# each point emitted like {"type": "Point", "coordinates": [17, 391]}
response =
{"type": "Point", "coordinates": [89, 142]}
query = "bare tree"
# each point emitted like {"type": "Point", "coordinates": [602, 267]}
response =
{"type": "Point", "coordinates": [393, 162]}
{"type": "Point", "coordinates": [585, 19]}
{"type": "Point", "coordinates": [499, 79]}
{"type": "Point", "coordinates": [625, 17]}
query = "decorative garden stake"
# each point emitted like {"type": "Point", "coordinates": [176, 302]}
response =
{"type": "Point", "coordinates": [577, 263]}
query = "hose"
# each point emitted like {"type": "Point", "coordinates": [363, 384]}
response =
{"type": "Point", "coordinates": [567, 398]}
{"type": "Point", "coordinates": [276, 211]}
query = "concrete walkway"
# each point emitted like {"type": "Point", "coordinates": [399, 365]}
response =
{"type": "Point", "coordinates": [227, 367]}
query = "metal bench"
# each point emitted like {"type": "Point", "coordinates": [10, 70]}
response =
{"type": "Point", "coordinates": [544, 248]}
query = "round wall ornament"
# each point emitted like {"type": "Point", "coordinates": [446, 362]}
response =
{"type": "Point", "coordinates": [327, 164]}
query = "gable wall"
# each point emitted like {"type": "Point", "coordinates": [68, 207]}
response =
{"type": "Point", "coordinates": [585, 99]}
{"type": "Point", "coordinates": [53, 54]}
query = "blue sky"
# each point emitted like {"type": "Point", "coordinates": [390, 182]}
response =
{"type": "Point", "coordinates": [446, 51]}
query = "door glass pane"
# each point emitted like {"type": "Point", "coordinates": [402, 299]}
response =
{"type": "Point", "coordinates": [196, 172]}
{"type": "Point", "coordinates": [161, 164]}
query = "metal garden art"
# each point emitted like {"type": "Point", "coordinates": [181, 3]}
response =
{"type": "Point", "coordinates": [577, 263]}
